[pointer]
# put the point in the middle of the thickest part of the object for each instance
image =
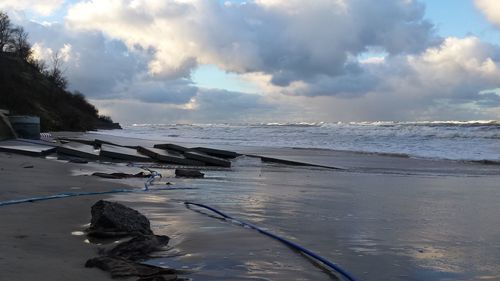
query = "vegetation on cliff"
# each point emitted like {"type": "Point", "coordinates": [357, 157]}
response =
{"type": "Point", "coordinates": [29, 87]}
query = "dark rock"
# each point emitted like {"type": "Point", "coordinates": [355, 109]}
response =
{"type": "Point", "coordinates": [108, 234]}
{"type": "Point", "coordinates": [169, 277]}
{"type": "Point", "coordinates": [139, 247]}
{"type": "Point", "coordinates": [188, 173]}
{"type": "Point", "coordinates": [78, 161]}
{"type": "Point", "coordinates": [122, 261]}
{"type": "Point", "coordinates": [218, 152]}
{"type": "Point", "coordinates": [120, 175]}
{"type": "Point", "coordinates": [114, 219]}
{"type": "Point", "coordinates": [121, 267]}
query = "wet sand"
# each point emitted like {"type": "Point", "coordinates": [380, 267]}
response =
{"type": "Point", "coordinates": [384, 218]}
{"type": "Point", "coordinates": [36, 238]}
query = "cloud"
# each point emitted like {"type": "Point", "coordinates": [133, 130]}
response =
{"type": "Point", "coordinates": [104, 68]}
{"type": "Point", "coordinates": [458, 69]}
{"type": "Point", "coordinates": [490, 9]}
{"type": "Point", "coordinates": [226, 106]}
{"type": "Point", "coordinates": [148, 90]}
{"type": "Point", "coordinates": [489, 100]}
{"type": "Point", "coordinates": [135, 60]}
{"type": "Point", "coordinates": [286, 39]}
{"type": "Point", "coordinates": [206, 106]}
{"type": "Point", "coordinates": [42, 7]}
{"type": "Point", "coordinates": [442, 82]}
{"type": "Point", "coordinates": [95, 65]}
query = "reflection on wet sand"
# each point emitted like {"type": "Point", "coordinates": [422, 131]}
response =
{"type": "Point", "coordinates": [378, 226]}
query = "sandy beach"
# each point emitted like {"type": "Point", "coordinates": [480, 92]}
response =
{"type": "Point", "coordinates": [37, 241]}
{"type": "Point", "coordinates": [383, 218]}
{"type": "Point", "coordinates": [261, 140]}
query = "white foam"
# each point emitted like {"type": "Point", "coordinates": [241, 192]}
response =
{"type": "Point", "coordinates": [458, 140]}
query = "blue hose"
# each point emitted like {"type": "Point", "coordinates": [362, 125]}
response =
{"type": "Point", "coordinates": [151, 178]}
{"type": "Point", "coordinates": [148, 182]}
{"type": "Point", "coordinates": [291, 244]}
{"type": "Point", "coordinates": [63, 195]}
{"type": "Point", "coordinates": [227, 217]}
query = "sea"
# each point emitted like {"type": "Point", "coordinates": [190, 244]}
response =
{"type": "Point", "coordinates": [383, 218]}
{"type": "Point", "coordinates": [453, 140]}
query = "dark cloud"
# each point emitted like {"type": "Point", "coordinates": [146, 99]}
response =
{"type": "Point", "coordinates": [168, 92]}
{"type": "Point", "coordinates": [95, 64]}
{"type": "Point", "coordinates": [488, 100]}
{"type": "Point", "coordinates": [207, 106]}
{"type": "Point", "coordinates": [141, 54]}
{"type": "Point", "coordinates": [296, 42]}
{"type": "Point", "coordinates": [231, 104]}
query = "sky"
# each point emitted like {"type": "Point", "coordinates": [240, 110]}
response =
{"type": "Point", "coordinates": [212, 61]}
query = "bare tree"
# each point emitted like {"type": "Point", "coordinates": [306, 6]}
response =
{"type": "Point", "coordinates": [20, 45]}
{"type": "Point", "coordinates": [5, 31]}
{"type": "Point", "coordinates": [39, 64]}
{"type": "Point", "coordinates": [55, 73]}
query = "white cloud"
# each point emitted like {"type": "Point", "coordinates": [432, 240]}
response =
{"type": "Point", "coordinates": [490, 8]}
{"type": "Point", "coordinates": [443, 81]}
{"type": "Point", "coordinates": [286, 39]}
{"type": "Point", "coordinates": [459, 68]}
{"type": "Point", "coordinates": [138, 56]}
{"type": "Point", "coordinates": [43, 7]}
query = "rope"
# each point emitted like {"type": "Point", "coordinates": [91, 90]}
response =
{"type": "Point", "coordinates": [291, 244]}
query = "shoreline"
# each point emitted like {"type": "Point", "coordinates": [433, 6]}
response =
{"type": "Point", "coordinates": [355, 216]}
{"type": "Point", "coordinates": [428, 141]}
{"type": "Point", "coordinates": [128, 140]}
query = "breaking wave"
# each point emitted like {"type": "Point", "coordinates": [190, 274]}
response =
{"type": "Point", "coordinates": [477, 140]}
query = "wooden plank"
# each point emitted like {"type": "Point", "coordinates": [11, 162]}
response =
{"type": "Point", "coordinates": [207, 159]}
{"type": "Point", "coordinates": [291, 162]}
{"type": "Point", "coordinates": [218, 152]}
{"type": "Point", "coordinates": [168, 156]}
{"type": "Point", "coordinates": [26, 148]}
{"type": "Point", "coordinates": [79, 150]}
{"type": "Point", "coordinates": [123, 153]}
{"type": "Point", "coordinates": [40, 142]}
{"type": "Point", "coordinates": [171, 146]}
{"type": "Point", "coordinates": [84, 141]}
{"type": "Point", "coordinates": [101, 142]}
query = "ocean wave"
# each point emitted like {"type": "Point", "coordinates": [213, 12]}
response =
{"type": "Point", "coordinates": [452, 123]}
{"type": "Point", "coordinates": [485, 162]}
{"type": "Point", "coordinates": [298, 124]}
{"type": "Point", "coordinates": [471, 123]}
{"type": "Point", "coordinates": [456, 140]}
